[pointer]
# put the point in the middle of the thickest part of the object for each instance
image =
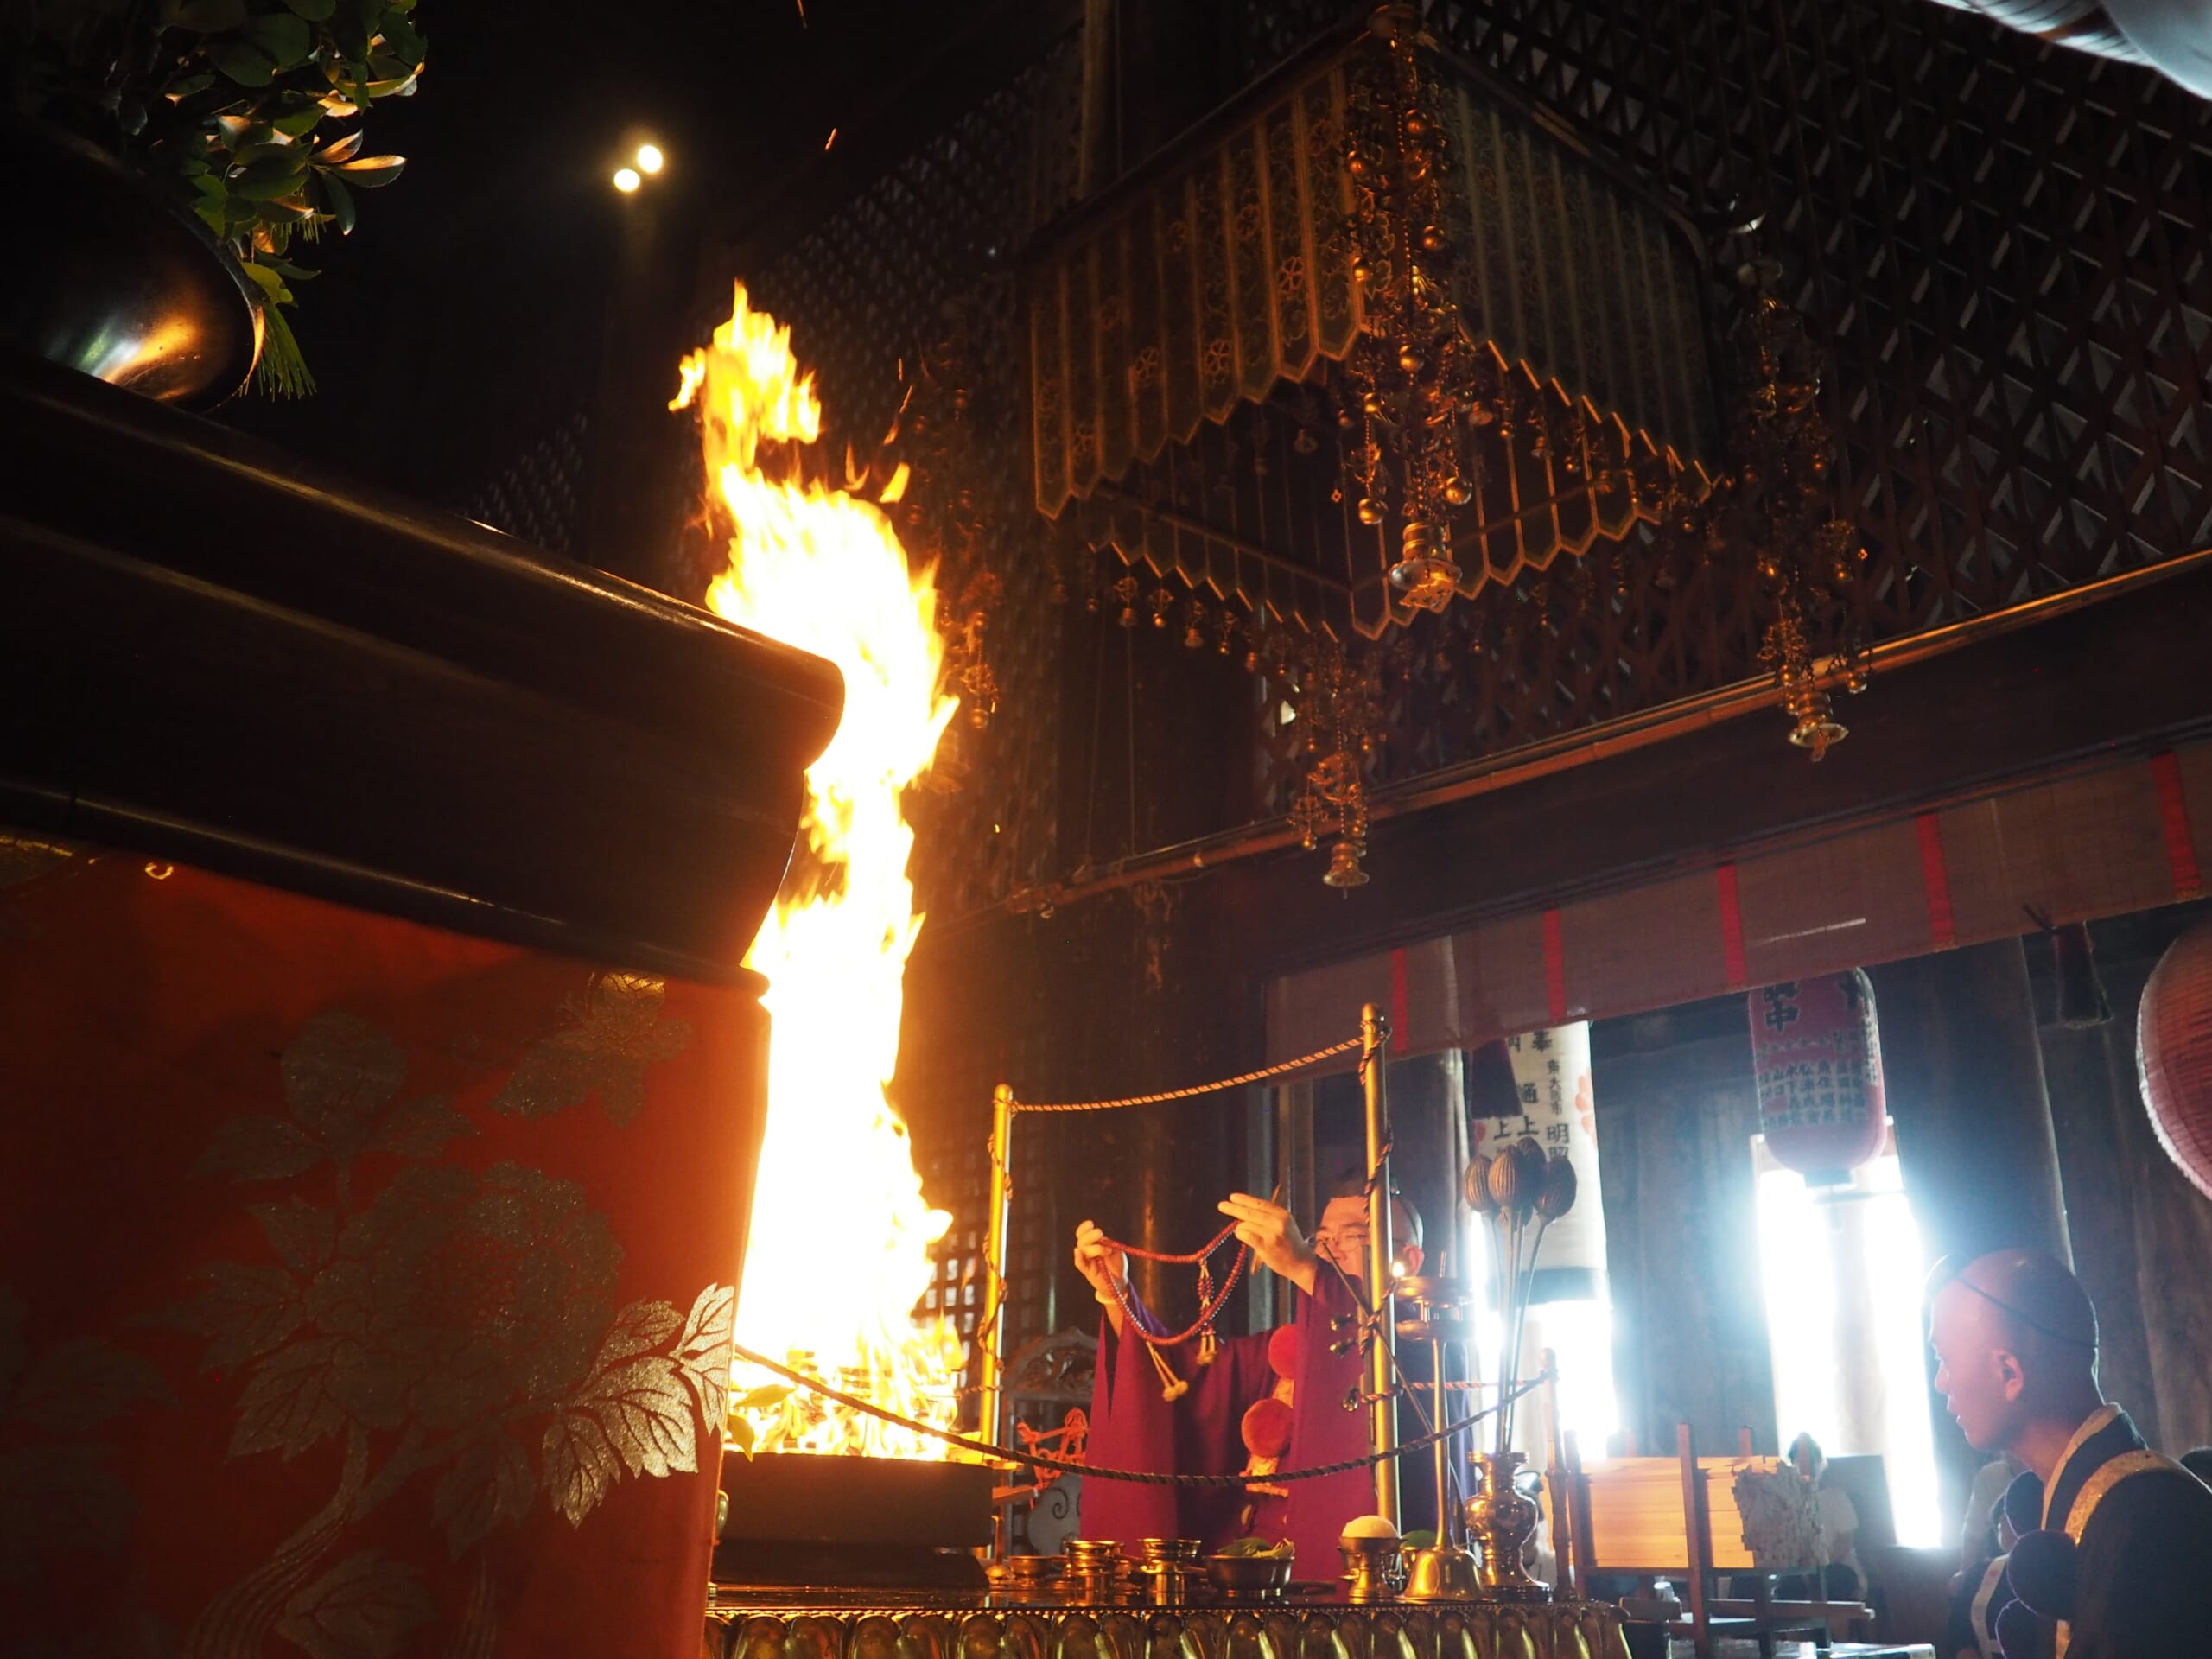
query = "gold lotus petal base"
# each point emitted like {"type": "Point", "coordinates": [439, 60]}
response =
{"type": "Point", "coordinates": [980, 1629]}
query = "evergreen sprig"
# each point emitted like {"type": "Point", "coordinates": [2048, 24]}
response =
{"type": "Point", "coordinates": [246, 111]}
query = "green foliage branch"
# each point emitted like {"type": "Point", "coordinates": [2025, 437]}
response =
{"type": "Point", "coordinates": [246, 111]}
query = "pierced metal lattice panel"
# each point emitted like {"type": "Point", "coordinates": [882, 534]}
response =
{"type": "Point", "coordinates": [867, 293]}
{"type": "Point", "coordinates": [539, 496]}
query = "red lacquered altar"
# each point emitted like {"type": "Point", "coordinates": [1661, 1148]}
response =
{"type": "Point", "coordinates": [382, 1092]}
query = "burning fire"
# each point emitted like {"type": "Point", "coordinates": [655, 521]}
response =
{"type": "Point", "coordinates": [840, 1234]}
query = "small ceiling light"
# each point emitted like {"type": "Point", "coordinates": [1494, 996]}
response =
{"type": "Point", "coordinates": [650, 160]}
{"type": "Point", "coordinates": [626, 178]}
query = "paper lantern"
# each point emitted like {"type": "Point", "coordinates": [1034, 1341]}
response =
{"type": "Point", "coordinates": [1817, 1058]}
{"type": "Point", "coordinates": [2173, 1053]}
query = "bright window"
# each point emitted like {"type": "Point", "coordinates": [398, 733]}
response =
{"type": "Point", "coordinates": [1581, 1336]}
{"type": "Point", "coordinates": [1842, 1270]}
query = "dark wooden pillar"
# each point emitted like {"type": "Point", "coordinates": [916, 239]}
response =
{"type": "Point", "coordinates": [1963, 1067]}
{"type": "Point", "coordinates": [2089, 1114]}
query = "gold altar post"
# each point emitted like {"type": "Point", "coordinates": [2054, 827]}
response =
{"type": "Point", "coordinates": [992, 1336]}
{"type": "Point", "coordinates": [1383, 1343]}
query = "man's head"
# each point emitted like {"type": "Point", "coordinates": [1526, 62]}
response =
{"type": "Point", "coordinates": [1811, 1462]}
{"type": "Point", "coordinates": [1342, 1234]}
{"type": "Point", "coordinates": [2016, 1345]}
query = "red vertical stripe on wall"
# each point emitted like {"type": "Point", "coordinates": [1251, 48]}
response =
{"type": "Point", "coordinates": [2173, 817]}
{"type": "Point", "coordinates": [1731, 927]}
{"type": "Point", "coordinates": [1554, 969]}
{"type": "Point", "coordinates": [1935, 883]}
{"type": "Point", "coordinates": [1401, 1016]}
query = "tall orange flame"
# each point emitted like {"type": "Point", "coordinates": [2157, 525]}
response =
{"type": "Point", "coordinates": [840, 1233]}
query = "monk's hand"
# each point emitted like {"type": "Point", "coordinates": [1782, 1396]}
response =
{"type": "Point", "coordinates": [1098, 1260]}
{"type": "Point", "coordinates": [1273, 1234]}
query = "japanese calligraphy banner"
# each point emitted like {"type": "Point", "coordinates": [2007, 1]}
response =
{"type": "Point", "coordinates": [1551, 1081]}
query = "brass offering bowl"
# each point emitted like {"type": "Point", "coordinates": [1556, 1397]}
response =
{"type": "Point", "coordinates": [1250, 1578]}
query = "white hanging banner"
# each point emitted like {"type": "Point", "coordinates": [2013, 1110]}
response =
{"type": "Point", "coordinates": [1552, 1081]}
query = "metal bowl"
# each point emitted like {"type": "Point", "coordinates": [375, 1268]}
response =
{"type": "Point", "coordinates": [1249, 1574]}
{"type": "Point", "coordinates": [119, 283]}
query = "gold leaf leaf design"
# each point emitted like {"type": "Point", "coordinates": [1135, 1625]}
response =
{"type": "Point", "coordinates": [22, 858]}
{"type": "Point", "coordinates": [287, 1404]}
{"type": "Point", "coordinates": [259, 1149]}
{"type": "Point", "coordinates": [646, 1411]}
{"type": "Point", "coordinates": [703, 1351]}
{"type": "Point", "coordinates": [362, 1608]}
{"type": "Point", "coordinates": [74, 1385]}
{"type": "Point", "coordinates": [456, 1295]}
{"type": "Point", "coordinates": [614, 1037]}
{"type": "Point", "coordinates": [638, 1328]}
{"type": "Point", "coordinates": [242, 1310]}
{"type": "Point", "coordinates": [581, 1464]}
{"type": "Point", "coordinates": [301, 1233]}
{"type": "Point", "coordinates": [420, 1128]}
{"type": "Point", "coordinates": [340, 1074]}
{"type": "Point", "coordinates": [490, 1484]}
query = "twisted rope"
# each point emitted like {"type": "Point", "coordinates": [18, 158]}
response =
{"type": "Point", "coordinates": [1139, 1477]}
{"type": "Point", "coordinates": [1195, 1090]}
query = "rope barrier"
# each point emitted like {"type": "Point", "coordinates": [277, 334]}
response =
{"type": "Point", "coordinates": [1195, 1090]}
{"type": "Point", "coordinates": [1139, 1477]}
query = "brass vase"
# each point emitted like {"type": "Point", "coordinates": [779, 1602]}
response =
{"type": "Point", "coordinates": [1499, 1523]}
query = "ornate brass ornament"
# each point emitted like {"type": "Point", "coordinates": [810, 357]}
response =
{"type": "Point", "coordinates": [1774, 505]}
{"type": "Point", "coordinates": [1334, 696]}
{"type": "Point", "coordinates": [1386, 333]}
{"type": "Point", "coordinates": [1508, 326]}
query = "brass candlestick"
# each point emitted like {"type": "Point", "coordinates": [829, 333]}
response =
{"type": "Point", "coordinates": [1443, 1571]}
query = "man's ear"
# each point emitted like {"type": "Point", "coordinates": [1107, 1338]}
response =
{"type": "Point", "coordinates": [2010, 1373]}
{"type": "Point", "coordinates": [1412, 1256]}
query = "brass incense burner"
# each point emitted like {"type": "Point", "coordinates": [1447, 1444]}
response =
{"type": "Point", "coordinates": [1500, 1518]}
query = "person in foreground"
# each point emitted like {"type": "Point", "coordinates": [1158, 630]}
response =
{"type": "Point", "coordinates": [2120, 1564]}
{"type": "Point", "coordinates": [1262, 1402]}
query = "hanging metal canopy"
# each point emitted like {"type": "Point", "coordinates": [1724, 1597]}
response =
{"type": "Point", "coordinates": [1230, 378]}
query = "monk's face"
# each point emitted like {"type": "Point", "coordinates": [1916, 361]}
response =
{"type": "Point", "coordinates": [1341, 1235]}
{"type": "Point", "coordinates": [1979, 1375]}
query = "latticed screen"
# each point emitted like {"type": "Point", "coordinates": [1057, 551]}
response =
{"type": "Point", "coordinates": [540, 495]}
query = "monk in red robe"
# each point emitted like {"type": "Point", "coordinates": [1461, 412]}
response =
{"type": "Point", "coordinates": [1203, 1428]}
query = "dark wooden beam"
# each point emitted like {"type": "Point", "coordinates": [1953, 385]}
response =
{"type": "Point", "coordinates": [2122, 678]}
